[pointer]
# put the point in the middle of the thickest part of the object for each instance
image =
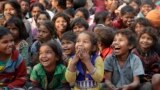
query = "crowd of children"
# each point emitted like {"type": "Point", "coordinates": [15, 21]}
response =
{"type": "Point", "coordinates": [79, 45]}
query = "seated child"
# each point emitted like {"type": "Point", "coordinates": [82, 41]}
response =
{"type": "Point", "coordinates": [122, 68]}
{"type": "Point", "coordinates": [79, 25]}
{"type": "Point", "coordinates": [86, 68]}
{"type": "Point", "coordinates": [68, 41]}
{"type": "Point", "coordinates": [105, 38]}
{"type": "Point", "coordinates": [13, 70]}
{"type": "Point", "coordinates": [49, 73]}
{"type": "Point", "coordinates": [146, 50]}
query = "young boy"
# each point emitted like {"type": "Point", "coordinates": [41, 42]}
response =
{"type": "Point", "coordinates": [68, 41]}
{"type": "Point", "coordinates": [122, 68]}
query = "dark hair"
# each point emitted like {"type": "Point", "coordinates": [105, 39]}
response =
{"type": "Point", "coordinates": [69, 35]}
{"type": "Point", "coordinates": [105, 36]}
{"type": "Point", "coordinates": [100, 17]}
{"type": "Point", "coordinates": [60, 14]}
{"type": "Point", "coordinates": [79, 3]}
{"type": "Point", "coordinates": [48, 24]}
{"type": "Point", "coordinates": [45, 13]}
{"type": "Point", "coordinates": [62, 4]}
{"type": "Point", "coordinates": [127, 9]}
{"type": "Point", "coordinates": [138, 2]}
{"type": "Point", "coordinates": [93, 38]}
{"type": "Point", "coordinates": [69, 11]}
{"type": "Point", "coordinates": [37, 5]}
{"type": "Point", "coordinates": [23, 35]}
{"type": "Point", "coordinates": [16, 6]}
{"type": "Point", "coordinates": [148, 2]}
{"type": "Point", "coordinates": [151, 32]}
{"type": "Point", "coordinates": [143, 21]}
{"type": "Point", "coordinates": [79, 21]}
{"type": "Point", "coordinates": [55, 49]}
{"type": "Point", "coordinates": [129, 35]}
{"type": "Point", "coordinates": [3, 31]}
{"type": "Point", "coordinates": [25, 1]}
{"type": "Point", "coordinates": [84, 11]}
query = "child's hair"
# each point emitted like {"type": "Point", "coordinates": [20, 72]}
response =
{"type": "Point", "coordinates": [55, 49]}
{"type": "Point", "coordinates": [69, 35]}
{"type": "Point", "coordinates": [45, 13]}
{"type": "Point", "coordinates": [16, 6]}
{"type": "Point", "coordinates": [37, 5]}
{"type": "Point", "coordinates": [105, 36]}
{"type": "Point", "coordinates": [79, 21]}
{"type": "Point", "coordinates": [100, 17]}
{"type": "Point", "coordinates": [142, 21]}
{"type": "Point", "coordinates": [151, 32]}
{"type": "Point", "coordinates": [127, 9]}
{"type": "Point", "coordinates": [60, 14]}
{"type": "Point", "coordinates": [23, 35]}
{"type": "Point", "coordinates": [3, 31]}
{"type": "Point", "coordinates": [138, 2]}
{"type": "Point", "coordinates": [84, 11]}
{"type": "Point", "coordinates": [48, 24]}
{"type": "Point", "coordinates": [79, 3]}
{"type": "Point", "coordinates": [129, 35]}
{"type": "Point", "coordinates": [69, 11]}
{"type": "Point", "coordinates": [61, 4]}
{"type": "Point", "coordinates": [148, 2]}
{"type": "Point", "coordinates": [93, 38]}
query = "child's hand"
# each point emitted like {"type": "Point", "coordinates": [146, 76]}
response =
{"type": "Point", "coordinates": [75, 59]}
{"type": "Point", "coordinates": [125, 87]}
{"type": "Point", "coordinates": [114, 6]}
{"type": "Point", "coordinates": [84, 56]}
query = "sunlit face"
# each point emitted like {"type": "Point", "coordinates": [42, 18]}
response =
{"type": "Point", "coordinates": [68, 47]}
{"type": "Point", "coordinates": [6, 44]}
{"type": "Point", "coordinates": [43, 33]}
{"type": "Point", "coordinates": [54, 3]}
{"type": "Point", "coordinates": [78, 29]}
{"type": "Point", "coordinates": [35, 11]}
{"type": "Point", "coordinates": [14, 31]}
{"type": "Point", "coordinates": [9, 11]}
{"type": "Point", "coordinates": [60, 24]}
{"type": "Point", "coordinates": [41, 19]}
{"type": "Point", "coordinates": [145, 9]}
{"type": "Point", "coordinates": [79, 14]}
{"type": "Point", "coordinates": [120, 45]}
{"type": "Point", "coordinates": [139, 28]}
{"type": "Point", "coordinates": [145, 41]}
{"type": "Point", "coordinates": [108, 3]}
{"type": "Point", "coordinates": [84, 42]}
{"type": "Point", "coordinates": [47, 56]}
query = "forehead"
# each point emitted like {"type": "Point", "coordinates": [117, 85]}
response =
{"type": "Point", "coordinates": [83, 36]}
{"type": "Point", "coordinates": [120, 36]}
{"type": "Point", "coordinates": [8, 5]}
{"type": "Point", "coordinates": [6, 37]}
{"type": "Point", "coordinates": [45, 48]}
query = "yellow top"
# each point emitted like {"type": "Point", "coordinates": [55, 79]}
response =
{"type": "Point", "coordinates": [97, 76]}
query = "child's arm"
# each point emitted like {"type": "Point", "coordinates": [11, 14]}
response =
{"type": "Point", "coordinates": [71, 69]}
{"type": "Point", "coordinates": [21, 74]}
{"type": "Point", "coordinates": [108, 82]}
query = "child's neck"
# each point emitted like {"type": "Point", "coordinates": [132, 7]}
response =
{"type": "Point", "coordinates": [50, 68]}
{"type": "Point", "coordinates": [4, 56]}
{"type": "Point", "coordinates": [123, 57]}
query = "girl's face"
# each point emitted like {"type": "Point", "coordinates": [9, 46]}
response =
{"type": "Point", "coordinates": [47, 56]}
{"type": "Point", "coordinates": [41, 19]}
{"type": "Point", "coordinates": [78, 29]}
{"type": "Point", "coordinates": [60, 24]}
{"type": "Point", "coordinates": [68, 47]}
{"type": "Point", "coordinates": [120, 45]}
{"type": "Point", "coordinates": [9, 11]}
{"type": "Point", "coordinates": [6, 44]}
{"type": "Point", "coordinates": [128, 19]}
{"type": "Point", "coordinates": [145, 9]}
{"type": "Point", "coordinates": [109, 4]}
{"type": "Point", "coordinates": [84, 42]}
{"type": "Point", "coordinates": [139, 28]}
{"type": "Point", "coordinates": [14, 31]}
{"type": "Point", "coordinates": [145, 41]}
{"type": "Point", "coordinates": [24, 6]}
{"type": "Point", "coordinates": [79, 14]}
{"type": "Point", "coordinates": [35, 11]}
{"type": "Point", "coordinates": [43, 33]}
{"type": "Point", "coordinates": [54, 4]}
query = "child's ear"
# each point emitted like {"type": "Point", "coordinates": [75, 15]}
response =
{"type": "Point", "coordinates": [131, 47]}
